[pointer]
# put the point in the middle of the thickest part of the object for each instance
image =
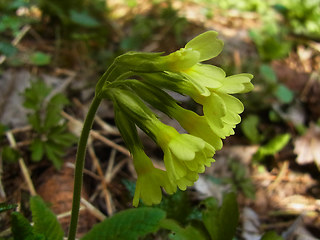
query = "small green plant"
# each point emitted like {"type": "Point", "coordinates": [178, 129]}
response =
{"type": "Point", "coordinates": [214, 222]}
{"type": "Point", "coordinates": [240, 181]}
{"type": "Point", "coordinates": [302, 16]}
{"type": "Point", "coordinates": [272, 147]}
{"type": "Point", "coordinates": [51, 136]}
{"type": "Point", "coordinates": [271, 41]}
{"type": "Point", "coordinates": [11, 24]}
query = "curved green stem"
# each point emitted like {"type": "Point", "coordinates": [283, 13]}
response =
{"type": "Point", "coordinates": [79, 166]}
{"type": "Point", "coordinates": [105, 77]}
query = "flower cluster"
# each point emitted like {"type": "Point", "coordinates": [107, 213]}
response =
{"type": "Point", "coordinates": [138, 78]}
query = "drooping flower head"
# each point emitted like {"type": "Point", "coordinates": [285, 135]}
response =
{"type": "Point", "coordinates": [185, 155]}
{"type": "Point", "coordinates": [206, 84]}
{"type": "Point", "coordinates": [150, 179]}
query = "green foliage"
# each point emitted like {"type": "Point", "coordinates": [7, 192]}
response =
{"type": "Point", "coordinates": [144, 27]}
{"type": "Point", "coordinates": [284, 94]}
{"type": "Point", "coordinates": [272, 147]}
{"type": "Point", "coordinates": [221, 222]}
{"type": "Point", "coordinates": [239, 180]}
{"type": "Point", "coordinates": [180, 233]}
{"type": "Point", "coordinates": [128, 225]}
{"type": "Point", "coordinates": [268, 74]}
{"type": "Point", "coordinates": [40, 59]}
{"type": "Point", "coordinates": [7, 49]}
{"type": "Point", "coordinates": [9, 154]}
{"type": "Point", "coordinates": [60, 10]}
{"type": "Point", "coordinates": [177, 206]}
{"type": "Point", "coordinates": [51, 135]}
{"type": "Point", "coordinates": [83, 19]}
{"type": "Point", "coordinates": [270, 42]}
{"type": "Point", "coordinates": [249, 127]}
{"type": "Point", "coordinates": [22, 230]}
{"type": "Point", "coordinates": [7, 206]}
{"type": "Point", "coordinates": [45, 227]}
{"type": "Point", "coordinates": [45, 222]}
{"type": "Point", "coordinates": [271, 236]}
{"type": "Point", "coordinates": [10, 25]}
{"type": "Point", "coordinates": [302, 16]}
{"type": "Point", "coordinates": [272, 88]}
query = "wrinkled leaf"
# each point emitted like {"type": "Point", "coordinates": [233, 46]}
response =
{"type": "Point", "coordinates": [221, 222]}
{"type": "Point", "coordinates": [37, 150]}
{"type": "Point", "coordinates": [127, 225]}
{"type": "Point", "coordinates": [35, 94]}
{"type": "Point", "coordinates": [22, 230]}
{"type": "Point", "coordinates": [180, 233]}
{"type": "Point", "coordinates": [54, 153]}
{"type": "Point", "coordinates": [53, 110]}
{"type": "Point", "coordinates": [45, 222]}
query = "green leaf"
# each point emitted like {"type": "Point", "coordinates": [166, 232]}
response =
{"type": "Point", "coordinates": [249, 127]}
{"type": "Point", "coordinates": [222, 222]}
{"type": "Point", "coordinates": [177, 206]}
{"type": "Point", "coordinates": [180, 233]}
{"type": "Point", "coordinates": [45, 222]}
{"type": "Point", "coordinates": [7, 49]}
{"type": "Point", "coordinates": [35, 94]}
{"type": "Point", "coordinates": [35, 122]}
{"type": "Point", "coordinates": [272, 147]}
{"type": "Point", "coordinates": [269, 75]}
{"type": "Point", "coordinates": [83, 19]}
{"type": "Point", "coordinates": [21, 228]}
{"type": "Point", "coordinates": [40, 58]}
{"type": "Point", "coordinates": [37, 150]}
{"type": "Point", "coordinates": [271, 236]}
{"type": "Point", "coordinates": [284, 94]}
{"type": "Point", "coordinates": [64, 139]}
{"type": "Point", "coordinates": [10, 155]}
{"type": "Point", "coordinates": [54, 153]}
{"type": "Point", "coordinates": [7, 206]}
{"type": "Point", "coordinates": [3, 129]}
{"type": "Point", "coordinates": [128, 225]}
{"type": "Point", "coordinates": [53, 110]}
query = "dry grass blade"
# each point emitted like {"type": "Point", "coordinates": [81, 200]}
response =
{"type": "Point", "coordinates": [23, 167]}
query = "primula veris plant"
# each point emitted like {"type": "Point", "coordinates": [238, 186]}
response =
{"type": "Point", "coordinates": [137, 80]}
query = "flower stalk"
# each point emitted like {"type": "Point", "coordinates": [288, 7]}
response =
{"type": "Point", "coordinates": [79, 165]}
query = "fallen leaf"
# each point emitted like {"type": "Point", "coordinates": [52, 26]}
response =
{"type": "Point", "coordinates": [307, 147]}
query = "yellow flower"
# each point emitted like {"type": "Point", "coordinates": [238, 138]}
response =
{"type": "Point", "coordinates": [196, 125]}
{"type": "Point", "coordinates": [150, 180]}
{"type": "Point", "coordinates": [184, 155]}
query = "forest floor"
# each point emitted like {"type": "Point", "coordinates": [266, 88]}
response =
{"type": "Point", "coordinates": [281, 192]}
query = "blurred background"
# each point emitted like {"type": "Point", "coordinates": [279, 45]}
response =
{"type": "Point", "coordinates": [53, 52]}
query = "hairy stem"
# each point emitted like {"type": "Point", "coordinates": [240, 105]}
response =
{"type": "Point", "coordinates": [79, 166]}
